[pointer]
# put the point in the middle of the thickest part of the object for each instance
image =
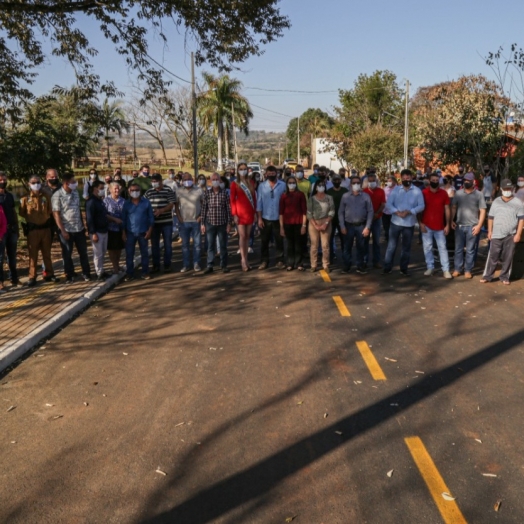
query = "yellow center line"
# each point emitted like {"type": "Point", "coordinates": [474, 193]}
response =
{"type": "Point", "coordinates": [7, 310]}
{"type": "Point", "coordinates": [325, 276]}
{"type": "Point", "coordinates": [344, 311]}
{"type": "Point", "coordinates": [448, 509]}
{"type": "Point", "coordinates": [371, 361]}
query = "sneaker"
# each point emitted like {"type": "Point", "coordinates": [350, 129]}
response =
{"type": "Point", "coordinates": [147, 276]}
{"type": "Point", "coordinates": [430, 272]}
{"type": "Point", "coordinates": [208, 270]}
{"type": "Point", "coordinates": [362, 270]}
{"type": "Point", "coordinates": [280, 265]}
{"type": "Point", "coordinates": [238, 252]}
{"type": "Point", "coordinates": [100, 278]}
{"type": "Point", "coordinates": [250, 250]}
{"type": "Point", "coordinates": [69, 280]}
{"type": "Point", "coordinates": [225, 270]}
{"type": "Point", "coordinates": [468, 275]}
{"type": "Point", "coordinates": [15, 282]}
{"type": "Point", "coordinates": [87, 278]}
{"type": "Point", "coordinates": [184, 270]}
{"type": "Point", "coordinates": [404, 272]}
{"type": "Point", "coordinates": [127, 278]}
{"type": "Point", "coordinates": [313, 269]}
{"type": "Point", "coordinates": [52, 279]}
{"type": "Point", "coordinates": [263, 266]}
{"type": "Point", "coordinates": [447, 275]}
{"type": "Point", "coordinates": [31, 282]}
{"type": "Point", "coordinates": [456, 274]}
{"type": "Point", "coordinates": [197, 267]}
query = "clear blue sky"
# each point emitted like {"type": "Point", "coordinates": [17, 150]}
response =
{"type": "Point", "coordinates": [332, 41]}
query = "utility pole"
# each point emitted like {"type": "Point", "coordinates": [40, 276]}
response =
{"type": "Point", "coordinates": [406, 128]}
{"type": "Point", "coordinates": [234, 135]}
{"type": "Point", "coordinates": [298, 140]}
{"type": "Point", "coordinates": [134, 144]}
{"type": "Point", "coordinates": [195, 138]}
{"type": "Point", "coordinates": [279, 148]}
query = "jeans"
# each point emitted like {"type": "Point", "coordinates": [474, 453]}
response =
{"type": "Point", "coordinates": [190, 230]}
{"type": "Point", "coordinates": [131, 241]}
{"type": "Point", "coordinates": [8, 246]}
{"type": "Point", "coordinates": [464, 237]}
{"type": "Point", "coordinates": [335, 228]}
{"type": "Point", "coordinates": [99, 252]}
{"type": "Point", "coordinates": [294, 245]}
{"type": "Point", "coordinates": [353, 234]}
{"type": "Point", "coordinates": [386, 223]}
{"type": "Point", "coordinates": [440, 239]}
{"type": "Point", "coordinates": [78, 240]}
{"type": "Point", "coordinates": [212, 234]}
{"type": "Point", "coordinates": [407, 236]}
{"type": "Point", "coordinates": [271, 227]}
{"type": "Point", "coordinates": [375, 229]}
{"type": "Point", "coordinates": [166, 232]}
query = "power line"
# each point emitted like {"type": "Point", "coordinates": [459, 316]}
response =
{"type": "Point", "coordinates": [288, 90]}
{"type": "Point", "coordinates": [270, 111]}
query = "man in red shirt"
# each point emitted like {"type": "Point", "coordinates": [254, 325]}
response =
{"type": "Point", "coordinates": [378, 199]}
{"type": "Point", "coordinates": [435, 223]}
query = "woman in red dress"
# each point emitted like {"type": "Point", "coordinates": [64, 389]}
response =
{"type": "Point", "coordinates": [243, 209]}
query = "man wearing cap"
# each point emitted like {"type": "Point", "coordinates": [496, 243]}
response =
{"type": "Point", "coordinates": [468, 213]}
{"type": "Point", "coordinates": [505, 223]}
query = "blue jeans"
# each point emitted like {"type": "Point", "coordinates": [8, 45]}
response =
{"type": "Point", "coordinates": [190, 230]}
{"type": "Point", "coordinates": [166, 232]}
{"type": "Point", "coordinates": [440, 239]}
{"type": "Point", "coordinates": [376, 227]}
{"type": "Point", "coordinates": [79, 240]}
{"type": "Point", "coordinates": [353, 233]}
{"type": "Point", "coordinates": [464, 237]}
{"type": "Point", "coordinates": [212, 234]}
{"type": "Point", "coordinates": [8, 246]}
{"type": "Point", "coordinates": [394, 234]}
{"type": "Point", "coordinates": [130, 252]}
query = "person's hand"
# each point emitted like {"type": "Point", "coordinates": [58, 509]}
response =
{"type": "Point", "coordinates": [453, 225]}
{"type": "Point", "coordinates": [203, 229]}
{"type": "Point", "coordinates": [199, 219]}
{"type": "Point", "coordinates": [344, 231]}
{"type": "Point", "coordinates": [365, 232]}
{"type": "Point", "coordinates": [446, 231]}
{"type": "Point", "coordinates": [156, 212]}
{"type": "Point", "coordinates": [516, 238]}
{"type": "Point", "coordinates": [303, 230]}
{"type": "Point", "coordinates": [490, 234]}
{"type": "Point", "coordinates": [118, 221]}
{"type": "Point", "coordinates": [235, 218]}
{"type": "Point", "coordinates": [147, 236]}
{"type": "Point", "coordinates": [423, 228]}
{"type": "Point", "coordinates": [375, 216]}
{"type": "Point", "coordinates": [282, 232]}
{"type": "Point", "coordinates": [260, 223]}
{"type": "Point", "coordinates": [476, 230]}
{"type": "Point", "coordinates": [95, 238]}
{"type": "Point", "coordinates": [228, 229]}
{"type": "Point", "coordinates": [65, 235]}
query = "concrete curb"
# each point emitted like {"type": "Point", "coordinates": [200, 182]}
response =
{"type": "Point", "coordinates": [18, 347]}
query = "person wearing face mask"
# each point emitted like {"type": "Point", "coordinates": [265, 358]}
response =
{"type": "Point", "coordinates": [98, 227]}
{"type": "Point", "coordinates": [468, 212]}
{"type": "Point", "coordinates": [188, 209]}
{"type": "Point", "coordinates": [322, 177]}
{"type": "Point", "coordinates": [68, 218]}
{"type": "Point", "coordinates": [378, 199]}
{"type": "Point", "coordinates": [216, 223]}
{"type": "Point", "coordinates": [336, 193]}
{"type": "Point", "coordinates": [137, 221]}
{"type": "Point", "coordinates": [268, 211]}
{"type": "Point", "coordinates": [88, 184]}
{"type": "Point", "coordinates": [202, 182]}
{"type": "Point", "coordinates": [505, 223]}
{"type": "Point", "coordinates": [243, 209]}
{"type": "Point", "coordinates": [520, 191]}
{"type": "Point", "coordinates": [435, 224]}
{"type": "Point", "coordinates": [36, 209]}
{"type": "Point", "coordinates": [320, 213]}
{"type": "Point", "coordinates": [163, 201]}
{"type": "Point", "coordinates": [105, 189]}
{"type": "Point", "coordinates": [10, 241]}
{"type": "Point", "coordinates": [313, 177]}
{"type": "Point", "coordinates": [143, 180]}
{"type": "Point", "coordinates": [52, 182]}
{"type": "Point", "coordinates": [303, 184]}
{"type": "Point", "coordinates": [293, 211]}
{"type": "Point", "coordinates": [404, 204]}
{"type": "Point", "coordinates": [114, 205]}
{"type": "Point", "coordinates": [355, 216]}
{"type": "Point", "coordinates": [391, 184]}
{"type": "Point", "coordinates": [458, 179]}
{"type": "Point", "coordinates": [171, 180]}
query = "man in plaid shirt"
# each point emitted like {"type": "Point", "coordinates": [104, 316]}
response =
{"type": "Point", "coordinates": [216, 223]}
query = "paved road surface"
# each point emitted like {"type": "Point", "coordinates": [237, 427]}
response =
{"type": "Point", "coordinates": [252, 394]}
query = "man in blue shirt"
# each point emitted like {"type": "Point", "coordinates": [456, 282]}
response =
{"type": "Point", "coordinates": [138, 221]}
{"type": "Point", "coordinates": [268, 211]}
{"type": "Point", "coordinates": [404, 203]}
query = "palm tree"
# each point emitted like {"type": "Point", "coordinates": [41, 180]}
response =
{"type": "Point", "coordinates": [216, 104]}
{"type": "Point", "coordinates": [112, 118]}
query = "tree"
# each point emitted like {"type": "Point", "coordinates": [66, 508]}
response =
{"type": "Point", "coordinates": [112, 118]}
{"type": "Point", "coordinates": [225, 33]}
{"type": "Point", "coordinates": [461, 121]}
{"type": "Point", "coordinates": [215, 106]}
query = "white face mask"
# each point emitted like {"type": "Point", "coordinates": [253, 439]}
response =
{"type": "Point", "coordinates": [155, 185]}
{"type": "Point", "coordinates": [222, 185]}
{"type": "Point", "coordinates": [300, 174]}
{"type": "Point", "coordinates": [35, 187]}
{"type": "Point", "coordinates": [171, 177]}
{"type": "Point", "coordinates": [507, 194]}
{"type": "Point", "coordinates": [389, 184]}
{"type": "Point", "coordinates": [521, 183]}
{"type": "Point", "coordinates": [355, 187]}
{"type": "Point", "coordinates": [292, 187]}
{"type": "Point", "coordinates": [134, 194]}
{"type": "Point", "coordinates": [372, 185]}
{"type": "Point", "coordinates": [320, 189]}
{"type": "Point", "coordinates": [92, 176]}
{"type": "Point", "coordinates": [215, 183]}
{"type": "Point", "coordinates": [242, 172]}
{"type": "Point", "coordinates": [188, 183]}
{"type": "Point", "coordinates": [73, 185]}
{"type": "Point", "coordinates": [201, 182]}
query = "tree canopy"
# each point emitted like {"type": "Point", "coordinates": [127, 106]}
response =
{"type": "Point", "coordinates": [314, 123]}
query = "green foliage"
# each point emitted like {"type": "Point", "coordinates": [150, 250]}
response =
{"type": "Point", "coordinates": [225, 33]}
{"type": "Point", "coordinates": [314, 123]}
{"type": "Point", "coordinates": [375, 146]}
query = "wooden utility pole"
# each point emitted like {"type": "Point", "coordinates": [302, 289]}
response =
{"type": "Point", "coordinates": [195, 138]}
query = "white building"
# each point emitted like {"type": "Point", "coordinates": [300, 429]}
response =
{"type": "Point", "coordinates": [328, 158]}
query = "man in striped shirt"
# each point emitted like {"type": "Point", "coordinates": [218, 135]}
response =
{"type": "Point", "coordinates": [162, 200]}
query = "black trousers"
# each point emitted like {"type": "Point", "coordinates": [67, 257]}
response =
{"type": "Point", "coordinates": [271, 226]}
{"type": "Point", "coordinates": [295, 244]}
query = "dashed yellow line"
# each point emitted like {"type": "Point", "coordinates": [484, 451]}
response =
{"type": "Point", "coordinates": [371, 361]}
{"type": "Point", "coordinates": [325, 276]}
{"type": "Point", "coordinates": [448, 509]}
{"type": "Point", "coordinates": [7, 310]}
{"type": "Point", "coordinates": [344, 311]}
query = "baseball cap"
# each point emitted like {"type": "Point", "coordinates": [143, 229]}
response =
{"type": "Point", "coordinates": [469, 176]}
{"type": "Point", "coordinates": [506, 184]}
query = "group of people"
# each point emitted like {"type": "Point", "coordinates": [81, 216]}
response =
{"type": "Point", "coordinates": [286, 208]}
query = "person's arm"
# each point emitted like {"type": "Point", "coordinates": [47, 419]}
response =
{"type": "Point", "coordinates": [282, 207]}
{"type": "Point", "coordinates": [447, 213]}
{"type": "Point", "coordinates": [203, 213]}
{"type": "Point", "coordinates": [392, 202]}
{"type": "Point", "coordinates": [382, 206]}
{"type": "Point", "coordinates": [482, 215]}
{"type": "Point", "coordinates": [520, 225]}
{"type": "Point", "coordinates": [22, 210]}
{"type": "Point", "coordinates": [453, 215]}
{"type": "Point", "coordinates": [369, 217]}
{"type": "Point", "coordinates": [90, 219]}
{"type": "Point", "coordinates": [490, 227]}
{"type": "Point", "coordinates": [233, 200]}
{"type": "Point", "coordinates": [331, 212]}
{"type": "Point", "coordinates": [150, 219]}
{"type": "Point", "coordinates": [58, 217]}
{"type": "Point", "coordinates": [419, 204]}
{"type": "Point", "coordinates": [124, 222]}
{"type": "Point", "coordinates": [260, 207]}
{"type": "Point", "coordinates": [342, 215]}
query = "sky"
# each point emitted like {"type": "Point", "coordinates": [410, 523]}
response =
{"type": "Point", "coordinates": [330, 43]}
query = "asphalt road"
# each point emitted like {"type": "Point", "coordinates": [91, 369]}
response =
{"type": "Point", "coordinates": [245, 398]}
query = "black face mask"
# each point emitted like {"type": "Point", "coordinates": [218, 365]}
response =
{"type": "Point", "coordinates": [322, 177]}
{"type": "Point", "coordinates": [406, 183]}
{"type": "Point", "coordinates": [53, 181]}
{"type": "Point", "coordinates": [336, 183]}
{"type": "Point", "coordinates": [468, 185]}
{"type": "Point", "coordinates": [272, 178]}
{"type": "Point", "coordinates": [486, 170]}
{"type": "Point", "coordinates": [434, 185]}
{"type": "Point", "coordinates": [461, 171]}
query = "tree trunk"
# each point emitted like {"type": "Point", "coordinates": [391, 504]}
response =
{"type": "Point", "coordinates": [220, 137]}
{"type": "Point", "coordinates": [226, 140]}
